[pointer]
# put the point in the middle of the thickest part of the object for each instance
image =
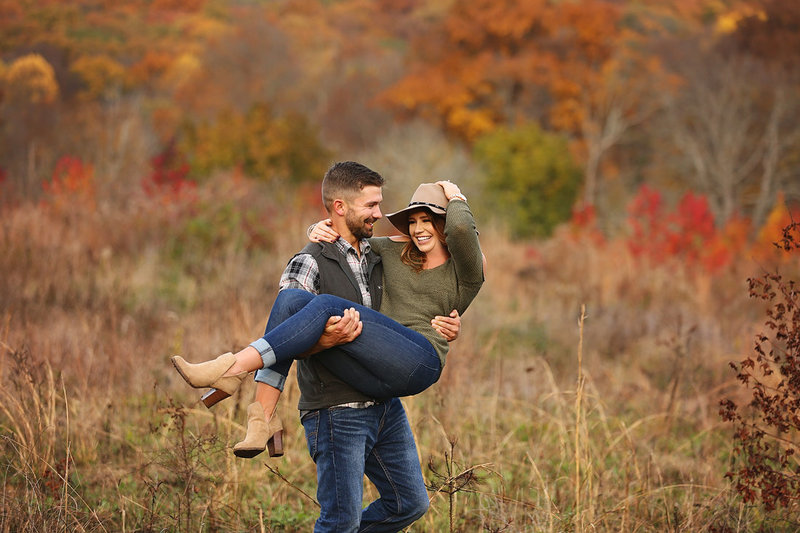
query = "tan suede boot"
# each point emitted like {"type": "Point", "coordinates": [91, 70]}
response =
{"type": "Point", "coordinates": [210, 374]}
{"type": "Point", "coordinates": [261, 434]}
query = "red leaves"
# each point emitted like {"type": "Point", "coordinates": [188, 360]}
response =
{"type": "Point", "coordinates": [687, 234]}
{"type": "Point", "coordinates": [765, 431]}
{"type": "Point", "coordinates": [169, 177]}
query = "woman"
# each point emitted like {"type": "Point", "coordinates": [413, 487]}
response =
{"type": "Point", "coordinates": [436, 268]}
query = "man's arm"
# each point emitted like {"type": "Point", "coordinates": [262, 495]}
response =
{"type": "Point", "coordinates": [302, 272]}
{"type": "Point", "coordinates": [338, 330]}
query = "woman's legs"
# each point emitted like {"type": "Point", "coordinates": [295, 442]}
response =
{"type": "Point", "coordinates": [270, 381]}
{"type": "Point", "coordinates": [290, 303]}
{"type": "Point", "coordinates": [268, 397]}
{"type": "Point", "coordinates": [386, 360]}
{"type": "Point", "coordinates": [264, 426]}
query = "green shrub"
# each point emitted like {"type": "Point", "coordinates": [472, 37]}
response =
{"type": "Point", "coordinates": [531, 179]}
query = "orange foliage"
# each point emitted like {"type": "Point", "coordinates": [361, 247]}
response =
{"type": "Point", "coordinates": [482, 58]}
{"type": "Point", "coordinates": [497, 61]}
{"type": "Point", "coordinates": [72, 185]}
{"type": "Point", "coordinates": [10, 10]}
{"type": "Point", "coordinates": [153, 65]}
{"type": "Point", "coordinates": [771, 232]}
{"type": "Point", "coordinates": [186, 6]}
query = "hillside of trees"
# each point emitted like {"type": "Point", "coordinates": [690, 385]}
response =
{"type": "Point", "coordinates": [546, 107]}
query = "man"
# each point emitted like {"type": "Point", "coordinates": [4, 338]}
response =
{"type": "Point", "coordinates": [349, 434]}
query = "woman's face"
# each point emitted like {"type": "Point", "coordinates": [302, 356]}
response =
{"type": "Point", "coordinates": [423, 233]}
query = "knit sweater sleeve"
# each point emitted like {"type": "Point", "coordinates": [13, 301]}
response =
{"type": "Point", "coordinates": [378, 244]}
{"type": "Point", "coordinates": [461, 236]}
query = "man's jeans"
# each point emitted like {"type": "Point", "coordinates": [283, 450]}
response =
{"type": "Point", "coordinates": [346, 443]}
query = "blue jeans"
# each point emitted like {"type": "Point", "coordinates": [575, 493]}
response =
{"type": "Point", "coordinates": [386, 360]}
{"type": "Point", "coordinates": [345, 444]}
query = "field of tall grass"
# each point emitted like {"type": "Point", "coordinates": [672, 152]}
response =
{"type": "Point", "coordinates": [582, 395]}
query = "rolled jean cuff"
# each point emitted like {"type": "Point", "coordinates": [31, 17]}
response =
{"type": "Point", "coordinates": [267, 376]}
{"type": "Point", "coordinates": [267, 355]}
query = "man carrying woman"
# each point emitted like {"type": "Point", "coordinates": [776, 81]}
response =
{"type": "Point", "coordinates": [437, 267]}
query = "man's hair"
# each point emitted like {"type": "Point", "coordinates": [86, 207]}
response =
{"type": "Point", "coordinates": [345, 180]}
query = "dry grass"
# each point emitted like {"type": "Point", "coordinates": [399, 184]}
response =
{"type": "Point", "coordinates": [545, 419]}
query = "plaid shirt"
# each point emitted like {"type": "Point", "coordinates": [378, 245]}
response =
{"type": "Point", "coordinates": [302, 272]}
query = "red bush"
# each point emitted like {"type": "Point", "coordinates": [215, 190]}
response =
{"type": "Point", "coordinates": [169, 179]}
{"type": "Point", "coordinates": [688, 233]}
{"type": "Point", "coordinates": [766, 429]}
{"type": "Point", "coordinates": [72, 184]}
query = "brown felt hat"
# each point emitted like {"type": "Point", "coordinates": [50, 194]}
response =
{"type": "Point", "coordinates": [429, 196]}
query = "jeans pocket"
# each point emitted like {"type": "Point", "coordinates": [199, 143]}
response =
{"type": "Point", "coordinates": [311, 426]}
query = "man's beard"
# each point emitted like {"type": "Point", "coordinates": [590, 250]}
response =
{"type": "Point", "coordinates": [358, 227]}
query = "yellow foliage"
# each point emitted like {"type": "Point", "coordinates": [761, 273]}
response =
{"type": "Point", "coordinates": [207, 28]}
{"type": "Point", "coordinates": [99, 73]}
{"type": "Point", "coordinates": [728, 22]}
{"type": "Point", "coordinates": [31, 79]}
{"type": "Point", "coordinates": [183, 69]}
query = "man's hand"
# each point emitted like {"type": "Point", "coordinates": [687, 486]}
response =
{"type": "Point", "coordinates": [340, 330]}
{"type": "Point", "coordinates": [448, 326]}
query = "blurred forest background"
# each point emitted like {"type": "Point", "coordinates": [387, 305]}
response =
{"type": "Point", "coordinates": [160, 159]}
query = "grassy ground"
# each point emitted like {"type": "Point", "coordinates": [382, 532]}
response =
{"type": "Point", "coordinates": [547, 417]}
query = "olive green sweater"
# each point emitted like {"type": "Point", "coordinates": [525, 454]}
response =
{"type": "Point", "coordinates": [414, 298]}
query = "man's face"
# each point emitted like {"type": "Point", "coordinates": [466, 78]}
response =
{"type": "Point", "coordinates": [362, 212]}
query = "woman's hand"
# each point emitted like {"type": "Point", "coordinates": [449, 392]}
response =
{"type": "Point", "coordinates": [451, 190]}
{"type": "Point", "coordinates": [448, 326]}
{"type": "Point", "coordinates": [323, 231]}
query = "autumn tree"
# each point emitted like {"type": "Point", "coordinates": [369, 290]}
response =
{"type": "Point", "coordinates": [768, 31]}
{"type": "Point", "coordinates": [769, 34]}
{"type": "Point", "coordinates": [30, 91]}
{"type": "Point", "coordinates": [267, 146]}
{"type": "Point", "coordinates": [733, 125]}
{"type": "Point", "coordinates": [576, 67]}
{"type": "Point", "coordinates": [102, 76]}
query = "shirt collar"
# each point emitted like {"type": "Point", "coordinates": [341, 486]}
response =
{"type": "Point", "coordinates": [345, 246]}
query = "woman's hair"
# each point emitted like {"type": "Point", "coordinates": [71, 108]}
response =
{"type": "Point", "coordinates": [411, 255]}
{"type": "Point", "coordinates": [346, 179]}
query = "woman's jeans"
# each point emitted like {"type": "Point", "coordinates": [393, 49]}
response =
{"type": "Point", "coordinates": [386, 360]}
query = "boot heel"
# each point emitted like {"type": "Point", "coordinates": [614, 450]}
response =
{"type": "Point", "coordinates": [275, 444]}
{"type": "Point", "coordinates": [213, 396]}
{"type": "Point", "coordinates": [211, 374]}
